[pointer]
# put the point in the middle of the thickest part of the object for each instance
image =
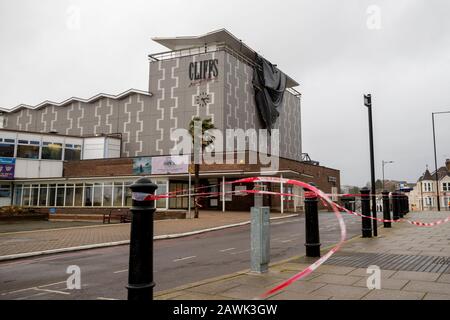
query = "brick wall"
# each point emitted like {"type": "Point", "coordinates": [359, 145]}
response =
{"type": "Point", "coordinates": [98, 168]}
{"type": "Point", "coordinates": [319, 175]}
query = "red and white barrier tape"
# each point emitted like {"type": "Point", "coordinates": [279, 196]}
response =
{"type": "Point", "coordinates": [149, 197]}
{"type": "Point", "coordinates": [316, 264]}
{"type": "Point", "coordinates": [323, 196]}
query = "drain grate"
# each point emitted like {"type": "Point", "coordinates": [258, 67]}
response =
{"type": "Point", "coordinates": [391, 261]}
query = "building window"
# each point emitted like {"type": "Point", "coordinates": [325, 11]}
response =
{"type": "Point", "coordinates": [26, 196]}
{"type": "Point", "coordinates": [88, 194]}
{"type": "Point", "coordinates": [446, 186]}
{"type": "Point", "coordinates": [107, 195]}
{"type": "Point", "coordinates": [97, 194]}
{"type": "Point", "coordinates": [43, 195]}
{"type": "Point", "coordinates": [5, 191]}
{"type": "Point", "coordinates": [118, 194]}
{"type": "Point", "coordinates": [51, 195]}
{"type": "Point", "coordinates": [69, 195]}
{"type": "Point", "coordinates": [78, 195]}
{"type": "Point", "coordinates": [427, 187]}
{"type": "Point", "coordinates": [51, 151]}
{"type": "Point", "coordinates": [162, 189]}
{"type": "Point", "coordinates": [181, 200]}
{"type": "Point", "coordinates": [72, 152]}
{"type": "Point", "coordinates": [17, 195]}
{"type": "Point", "coordinates": [60, 191]}
{"type": "Point", "coordinates": [34, 195]}
{"type": "Point", "coordinates": [28, 149]}
{"type": "Point", "coordinates": [127, 195]}
{"type": "Point", "coordinates": [7, 147]}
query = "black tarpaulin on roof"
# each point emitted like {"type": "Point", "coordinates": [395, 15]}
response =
{"type": "Point", "coordinates": [269, 84]}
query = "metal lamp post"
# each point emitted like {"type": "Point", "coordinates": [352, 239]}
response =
{"type": "Point", "coordinates": [384, 163]}
{"type": "Point", "coordinates": [368, 104]}
{"type": "Point", "coordinates": [435, 159]}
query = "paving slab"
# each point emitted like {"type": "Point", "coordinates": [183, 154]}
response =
{"type": "Point", "coordinates": [428, 286]}
{"type": "Point", "coordinates": [289, 295]}
{"type": "Point", "coordinates": [385, 294]}
{"type": "Point", "coordinates": [243, 292]}
{"type": "Point", "coordinates": [336, 279]}
{"type": "Point", "coordinates": [362, 272]}
{"type": "Point", "coordinates": [341, 292]}
{"type": "Point", "coordinates": [444, 278]}
{"type": "Point", "coordinates": [435, 296]}
{"type": "Point", "coordinates": [386, 283]}
{"type": "Point", "coordinates": [339, 270]}
{"type": "Point", "coordinates": [413, 275]}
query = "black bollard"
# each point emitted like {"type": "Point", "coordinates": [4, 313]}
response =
{"type": "Point", "coordinates": [395, 206]}
{"type": "Point", "coordinates": [401, 200]}
{"type": "Point", "coordinates": [140, 270]}
{"type": "Point", "coordinates": [407, 204]}
{"type": "Point", "coordinates": [386, 209]}
{"type": "Point", "coordinates": [365, 210]}
{"type": "Point", "coordinates": [312, 225]}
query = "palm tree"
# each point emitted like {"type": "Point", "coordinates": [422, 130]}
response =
{"type": "Point", "coordinates": [205, 141]}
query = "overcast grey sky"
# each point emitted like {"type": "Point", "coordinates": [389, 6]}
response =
{"type": "Point", "coordinates": [336, 50]}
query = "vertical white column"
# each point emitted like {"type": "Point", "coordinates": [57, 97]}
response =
{"type": "Point", "coordinates": [65, 192]}
{"type": "Point", "coordinates": [189, 194]}
{"type": "Point", "coordinates": [223, 193]}
{"type": "Point", "coordinates": [282, 197]}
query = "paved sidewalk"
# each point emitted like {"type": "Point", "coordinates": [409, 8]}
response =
{"type": "Point", "coordinates": [414, 262]}
{"type": "Point", "coordinates": [15, 243]}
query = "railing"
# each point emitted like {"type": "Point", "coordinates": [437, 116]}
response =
{"type": "Point", "coordinates": [167, 55]}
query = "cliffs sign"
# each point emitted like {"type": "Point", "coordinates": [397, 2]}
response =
{"type": "Point", "coordinates": [204, 70]}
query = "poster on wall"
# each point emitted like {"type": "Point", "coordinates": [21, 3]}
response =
{"type": "Point", "coordinates": [7, 168]}
{"type": "Point", "coordinates": [170, 164]}
{"type": "Point", "coordinates": [142, 165]}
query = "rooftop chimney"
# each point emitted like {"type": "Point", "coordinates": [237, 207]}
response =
{"type": "Point", "coordinates": [447, 164]}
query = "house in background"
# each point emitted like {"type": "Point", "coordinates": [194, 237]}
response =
{"type": "Point", "coordinates": [423, 196]}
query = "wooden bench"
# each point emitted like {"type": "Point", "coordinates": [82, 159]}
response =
{"type": "Point", "coordinates": [123, 215]}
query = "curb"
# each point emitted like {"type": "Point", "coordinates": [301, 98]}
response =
{"type": "Point", "coordinates": [237, 273]}
{"type": "Point", "coordinates": [123, 242]}
{"type": "Point", "coordinates": [190, 233]}
{"type": "Point", "coordinates": [65, 228]}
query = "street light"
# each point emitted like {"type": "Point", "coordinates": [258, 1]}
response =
{"type": "Point", "coordinates": [383, 163]}
{"type": "Point", "coordinates": [435, 159]}
{"type": "Point", "coordinates": [368, 104]}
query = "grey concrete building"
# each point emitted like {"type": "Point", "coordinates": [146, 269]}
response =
{"type": "Point", "coordinates": [207, 76]}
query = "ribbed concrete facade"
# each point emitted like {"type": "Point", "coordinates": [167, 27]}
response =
{"type": "Point", "coordinates": [146, 121]}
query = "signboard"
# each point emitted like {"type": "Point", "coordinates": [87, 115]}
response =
{"type": "Point", "coordinates": [240, 188]}
{"type": "Point", "coordinates": [7, 167]}
{"type": "Point", "coordinates": [142, 165]}
{"type": "Point", "coordinates": [201, 71]}
{"type": "Point", "coordinates": [170, 164]}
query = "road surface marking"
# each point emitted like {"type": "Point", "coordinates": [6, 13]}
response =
{"type": "Point", "coordinates": [185, 258]}
{"type": "Point", "coordinates": [225, 250]}
{"type": "Point", "coordinates": [120, 271]}
{"type": "Point", "coordinates": [52, 291]}
{"type": "Point", "coordinates": [240, 251]}
{"type": "Point", "coordinates": [282, 222]}
{"type": "Point", "coordinates": [33, 288]}
{"type": "Point", "coordinates": [285, 241]}
{"type": "Point", "coordinates": [103, 298]}
{"type": "Point", "coordinates": [33, 295]}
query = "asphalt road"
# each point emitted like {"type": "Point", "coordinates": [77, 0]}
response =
{"type": "Point", "coordinates": [177, 261]}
